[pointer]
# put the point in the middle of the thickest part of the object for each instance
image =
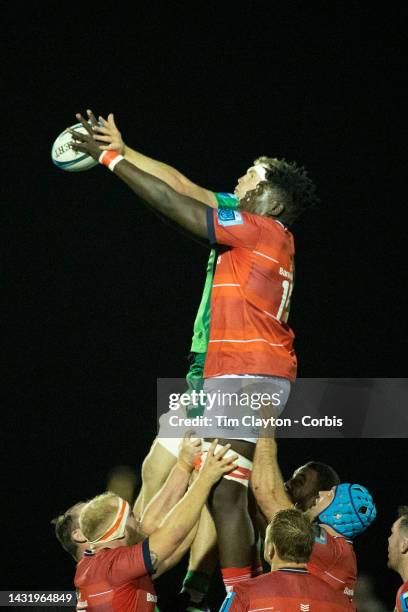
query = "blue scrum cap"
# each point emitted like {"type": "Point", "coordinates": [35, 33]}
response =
{"type": "Point", "coordinates": [351, 511]}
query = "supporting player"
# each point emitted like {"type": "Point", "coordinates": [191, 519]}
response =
{"type": "Point", "coordinates": [398, 556]}
{"type": "Point", "coordinates": [306, 482]}
{"type": "Point", "coordinates": [289, 586]}
{"type": "Point", "coordinates": [72, 539]}
{"type": "Point", "coordinates": [301, 490]}
{"type": "Point", "coordinates": [253, 281]}
{"type": "Point", "coordinates": [339, 513]}
{"type": "Point", "coordinates": [115, 573]}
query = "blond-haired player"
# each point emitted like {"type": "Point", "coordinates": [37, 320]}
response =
{"type": "Point", "coordinates": [115, 572]}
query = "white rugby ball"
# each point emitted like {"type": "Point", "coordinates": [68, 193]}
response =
{"type": "Point", "coordinates": [64, 156]}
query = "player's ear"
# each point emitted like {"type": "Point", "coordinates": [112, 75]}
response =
{"type": "Point", "coordinates": [404, 545]}
{"type": "Point", "coordinates": [78, 537]}
{"type": "Point", "coordinates": [269, 552]}
{"type": "Point", "coordinates": [276, 209]}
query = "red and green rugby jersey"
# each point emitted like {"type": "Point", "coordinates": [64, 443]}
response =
{"type": "Point", "coordinates": [201, 331]}
{"type": "Point", "coordinates": [250, 297]}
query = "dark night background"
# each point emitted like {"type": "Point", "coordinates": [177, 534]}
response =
{"type": "Point", "coordinates": [101, 297]}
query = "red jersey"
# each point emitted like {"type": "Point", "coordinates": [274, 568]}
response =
{"type": "Point", "coordinates": [250, 296]}
{"type": "Point", "coordinates": [116, 579]}
{"type": "Point", "coordinates": [286, 590]}
{"type": "Point", "coordinates": [333, 560]}
{"type": "Point", "coordinates": [401, 603]}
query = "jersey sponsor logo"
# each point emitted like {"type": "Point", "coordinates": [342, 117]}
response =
{"type": "Point", "coordinates": [285, 273]}
{"type": "Point", "coordinates": [228, 216]}
{"type": "Point", "coordinates": [304, 607]}
{"type": "Point", "coordinates": [348, 592]}
{"type": "Point", "coordinates": [151, 598]}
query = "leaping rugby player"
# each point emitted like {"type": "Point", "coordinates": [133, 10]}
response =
{"type": "Point", "coordinates": [249, 304]}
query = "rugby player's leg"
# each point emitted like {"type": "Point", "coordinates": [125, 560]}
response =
{"type": "Point", "coordinates": [259, 529]}
{"type": "Point", "coordinates": [164, 451]}
{"type": "Point", "coordinates": [158, 463]}
{"type": "Point", "coordinates": [155, 469]}
{"type": "Point", "coordinates": [203, 560]}
{"type": "Point", "coordinates": [229, 509]}
{"type": "Point", "coordinates": [203, 553]}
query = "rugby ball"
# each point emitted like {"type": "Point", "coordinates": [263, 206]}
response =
{"type": "Point", "coordinates": [64, 156]}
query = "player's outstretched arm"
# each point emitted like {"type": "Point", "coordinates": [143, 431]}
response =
{"type": "Point", "coordinates": [266, 479]}
{"type": "Point", "coordinates": [109, 138]}
{"type": "Point", "coordinates": [174, 487]}
{"type": "Point", "coordinates": [179, 522]}
{"type": "Point", "coordinates": [190, 214]}
{"type": "Point", "coordinates": [179, 553]}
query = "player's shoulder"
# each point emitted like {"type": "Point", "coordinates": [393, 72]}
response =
{"type": "Point", "coordinates": [141, 549]}
{"type": "Point", "coordinates": [269, 223]}
{"type": "Point", "coordinates": [106, 555]}
{"type": "Point", "coordinates": [280, 229]}
{"type": "Point", "coordinates": [229, 216]}
{"type": "Point", "coordinates": [278, 583]}
{"type": "Point", "coordinates": [86, 567]}
{"type": "Point", "coordinates": [91, 558]}
{"type": "Point", "coordinates": [110, 553]}
{"type": "Point", "coordinates": [318, 587]}
{"type": "Point", "coordinates": [264, 581]}
{"type": "Point", "coordinates": [253, 583]}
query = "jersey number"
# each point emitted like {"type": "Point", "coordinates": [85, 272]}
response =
{"type": "Point", "coordinates": [286, 293]}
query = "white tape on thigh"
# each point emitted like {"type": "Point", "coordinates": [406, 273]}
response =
{"type": "Point", "coordinates": [173, 444]}
{"type": "Point", "coordinates": [241, 474]}
{"type": "Point", "coordinates": [170, 444]}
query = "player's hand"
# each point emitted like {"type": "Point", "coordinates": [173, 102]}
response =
{"type": "Point", "coordinates": [85, 143]}
{"type": "Point", "coordinates": [189, 450]}
{"type": "Point", "coordinates": [216, 464]}
{"type": "Point", "coordinates": [107, 134]}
